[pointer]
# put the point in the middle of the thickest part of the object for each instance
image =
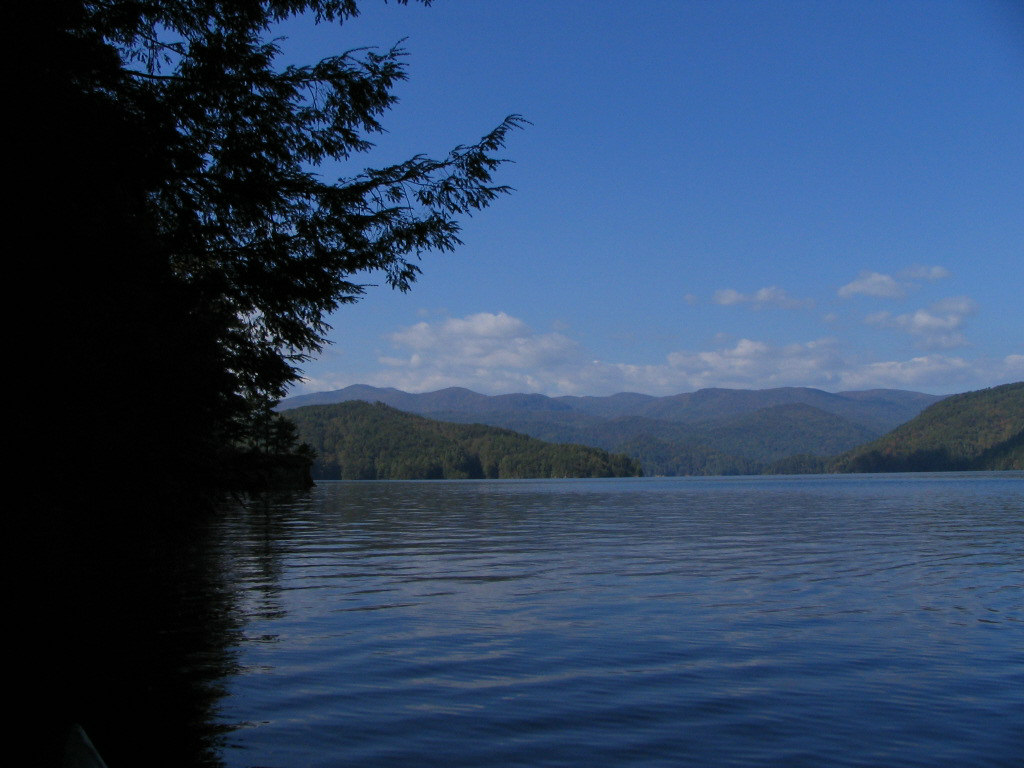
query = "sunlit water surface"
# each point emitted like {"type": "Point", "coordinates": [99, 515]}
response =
{"type": "Point", "coordinates": [791, 621]}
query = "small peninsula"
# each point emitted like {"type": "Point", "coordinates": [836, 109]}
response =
{"type": "Point", "coordinates": [357, 440]}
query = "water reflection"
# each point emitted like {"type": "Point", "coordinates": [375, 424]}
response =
{"type": "Point", "coordinates": [134, 623]}
{"type": "Point", "coordinates": [740, 621]}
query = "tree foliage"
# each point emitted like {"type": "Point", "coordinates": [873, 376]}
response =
{"type": "Point", "coordinates": [200, 244]}
{"type": "Point", "coordinates": [244, 211]}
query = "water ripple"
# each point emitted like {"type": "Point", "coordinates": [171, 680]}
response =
{"type": "Point", "coordinates": [734, 622]}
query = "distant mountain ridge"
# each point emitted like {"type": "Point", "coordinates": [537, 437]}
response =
{"type": "Point", "coordinates": [892, 406]}
{"type": "Point", "coordinates": [711, 431]}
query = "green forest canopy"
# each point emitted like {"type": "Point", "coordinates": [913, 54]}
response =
{"type": "Point", "coordinates": [363, 441]}
{"type": "Point", "coordinates": [976, 430]}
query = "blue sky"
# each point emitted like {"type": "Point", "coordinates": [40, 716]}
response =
{"type": "Point", "coordinates": [734, 193]}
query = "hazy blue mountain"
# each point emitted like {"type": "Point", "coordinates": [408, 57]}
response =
{"type": "Point", "coordinates": [622, 404]}
{"type": "Point", "coordinates": [881, 409]}
{"type": "Point", "coordinates": [878, 409]}
{"type": "Point", "coordinates": [711, 431]}
{"type": "Point", "coordinates": [449, 400]}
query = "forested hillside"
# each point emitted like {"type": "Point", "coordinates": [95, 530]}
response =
{"type": "Point", "coordinates": [364, 441]}
{"type": "Point", "coordinates": [708, 432]}
{"type": "Point", "coordinates": [971, 431]}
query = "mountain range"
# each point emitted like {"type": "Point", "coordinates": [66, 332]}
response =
{"type": "Point", "coordinates": [711, 431]}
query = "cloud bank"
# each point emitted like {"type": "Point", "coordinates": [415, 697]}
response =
{"type": "Point", "coordinates": [498, 353]}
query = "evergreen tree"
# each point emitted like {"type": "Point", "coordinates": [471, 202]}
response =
{"type": "Point", "coordinates": [199, 246]}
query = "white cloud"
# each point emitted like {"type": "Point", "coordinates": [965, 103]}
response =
{"type": "Point", "coordinates": [936, 373]}
{"type": "Point", "coordinates": [922, 272]}
{"type": "Point", "coordinates": [874, 284]}
{"type": "Point", "coordinates": [935, 327]}
{"type": "Point", "coordinates": [494, 352]}
{"type": "Point", "coordinates": [727, 297]}
{"type": "Point", "coordinates": [770, 296]}
{"type": "Point", "coordinates": [883, 286]}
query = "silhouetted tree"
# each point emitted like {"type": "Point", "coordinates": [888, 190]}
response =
{"type": "Point", "coordinates": [197, 248]}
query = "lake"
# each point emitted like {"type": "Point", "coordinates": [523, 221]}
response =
{"type": "Point", "coordinates": [795, 621]}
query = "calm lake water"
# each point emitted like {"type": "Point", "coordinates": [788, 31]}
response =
{"type": "Point", "coordinates": [792, 621]}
